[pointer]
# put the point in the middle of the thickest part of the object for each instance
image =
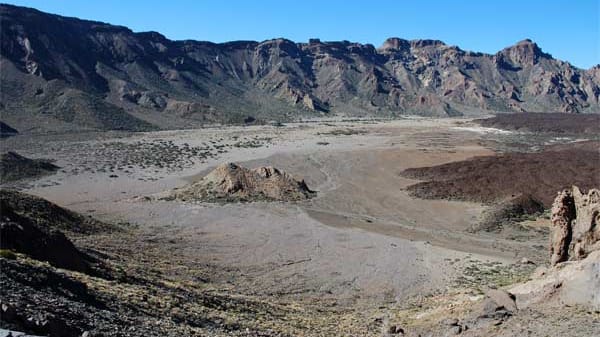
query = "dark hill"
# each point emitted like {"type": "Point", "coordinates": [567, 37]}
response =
{"type": "Point", "coordinates": [14, 167]}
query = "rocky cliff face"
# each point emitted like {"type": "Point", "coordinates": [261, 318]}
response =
{"type": "Point", "coordinates": [68, 72]}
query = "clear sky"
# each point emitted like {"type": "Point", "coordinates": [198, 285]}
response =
{"type": "Point", "coordinates": [567, 29]}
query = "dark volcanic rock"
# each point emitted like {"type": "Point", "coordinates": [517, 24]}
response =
{"type": "Point", "coordinates": [545, 122]}
{"type": "Point", "coordinates": [7, 131]}
{"type": "Point", "coordinates": [509, 211]}
{"type": "Point", "coordinates": [48, 216]}
{"type": "Point", "coordinates": [484, 179]}
{"type": "Point", "coordinates": [72, 73]}
{"type": "Point", "coordinates": [37, 227]}
{"type": "Point", "coordinates": [23, 235]}
{"type": "Point", "coordinates": [32, 295]}
{"type": "Point", "coordinates": [13, 167]}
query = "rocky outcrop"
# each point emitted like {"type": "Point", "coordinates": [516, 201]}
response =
{"type": "Point", "coordinates": [575, 225]}
{"type": "Point", "coordinates": [497, 306]}
{"type": "Point", "coordinates": [563, 213]}
{"type": "Point", "coordinates": [96, 75]}
{"type": "Point", "coordinates": [568, 283]}
{"type": "Point", "coordinates": [232, 183]}
{"type": "Point", "coordinates": [574, 275]}
{"type": "Point", "coordinates": [585, 236]}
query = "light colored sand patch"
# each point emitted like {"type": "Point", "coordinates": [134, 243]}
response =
{"type": "Point", "coordinates": [482, 130]}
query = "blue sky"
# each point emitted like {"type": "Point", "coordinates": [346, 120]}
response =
{"type": "Point", "coordinates": [567, 29]}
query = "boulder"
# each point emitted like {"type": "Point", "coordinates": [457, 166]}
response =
{"type": "Point", "coordinates": [496, 306]}
{"type": "Point", "coordinates": [502, 299]}
{"type": "Point", "coordinates": [395, 330]}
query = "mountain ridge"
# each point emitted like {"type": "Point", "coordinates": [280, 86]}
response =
{"type": "Point", "coordinates": [69, 73]}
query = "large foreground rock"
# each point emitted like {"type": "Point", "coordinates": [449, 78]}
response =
{"type": "Point", "coordinates": [575, 225]}
{"type": "Point", "coordinates": [574, 275]}
{"type": "Point", "coordinates": [568, 283]}
{"type": "Point", "coordinates": [231, 182]}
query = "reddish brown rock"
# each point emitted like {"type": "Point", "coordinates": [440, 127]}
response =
{"type": "Point", "coordinates": [575, 240]}
{"type": "Point", "coordinates": [575, 233]}
{"type": "Point", "coordinates": [586, 226]}
{"type": "Point", "coordinates": [563, 213]}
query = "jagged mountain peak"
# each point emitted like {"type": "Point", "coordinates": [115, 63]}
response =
{"type": "Point", "coordinates": [395, 44]}
{"type": "Point", "coordinates": [524, 52]}
{"type": "Point", "coordinates": [422, 43]}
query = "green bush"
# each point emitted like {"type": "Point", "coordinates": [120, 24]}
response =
{"type": "Point", "coordinates": [8, 254]}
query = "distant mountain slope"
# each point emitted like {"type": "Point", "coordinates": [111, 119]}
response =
{"type": "Point", "coordinates": [70, 74]}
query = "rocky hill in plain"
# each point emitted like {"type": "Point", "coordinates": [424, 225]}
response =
{"type": "Point", "coordinates": [230, 182]}
{"type": "Point", "coordinates": [69, 74]}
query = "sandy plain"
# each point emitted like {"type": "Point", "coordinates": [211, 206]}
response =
{"type": "Point", "coordinates": [361, 239]}
{"type": "Point", "coordinates": [362, 254]}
